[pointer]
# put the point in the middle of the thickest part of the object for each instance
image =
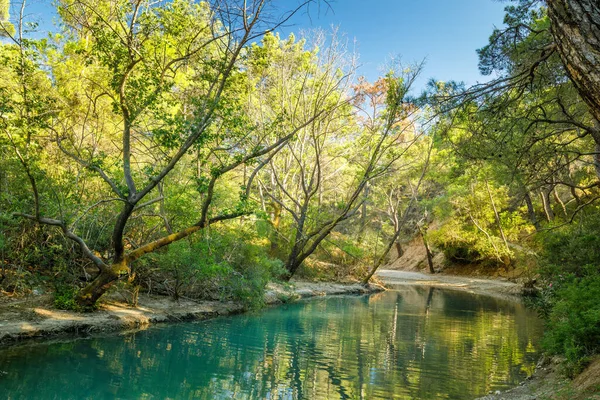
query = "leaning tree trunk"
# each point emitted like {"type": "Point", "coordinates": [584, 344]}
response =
{"type": "Point", "coordinates": [89, 295]}
{"type": "Point", "coordinates": [575, 26]}
{"type": "Point", "coordinates": [427, 252]}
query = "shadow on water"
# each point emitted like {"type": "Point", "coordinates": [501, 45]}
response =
{"type": "Point", "coordinates": [415, 343]}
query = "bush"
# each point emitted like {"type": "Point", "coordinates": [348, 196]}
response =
{"type": "Point", "coordinates": [462, 243]}
{"type": "Point", "coordinates": [341, 258]}
{"type": "Point", "coordinates": [223, 265]}
{"type": "Point", "coordinates": [64, 298]}
{"type": "Point", "coordinates": [570, 296]}
{"type": "Point", "coordinates": [574, 322]}
{"type": "Point", "coordinates": [575, 249]}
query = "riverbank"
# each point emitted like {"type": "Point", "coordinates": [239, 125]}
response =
{"type": "Point", "coordinates": [492, 287]}
{"type": "Point", "coordinates": [547, 383]}
{"type": "Point", "coordinates": [34, 317]}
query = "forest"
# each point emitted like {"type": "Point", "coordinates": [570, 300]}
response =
{"type": "Point", "coordinates": [189, 150]}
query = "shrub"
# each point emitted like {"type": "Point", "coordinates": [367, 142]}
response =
{"type": "Point", "coordinates": [574, 322]}
{"type": "Point", "coordinates": [222, 265]}
{"type": "Point", "coordinates": [569, 298]}
{"type": "Point", "coordinates": [64, 298]}
{"type": "Point", "coordinates": [463, 243]}
{"type": "Point", "coordinates": [342, 257]}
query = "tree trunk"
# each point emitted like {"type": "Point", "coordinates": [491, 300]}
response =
{"type": "Point", "coordinates": [360, 234]}
{"type": "Point", "coordinates": [559, 201]}
{"type": "Point", "coordinates": [597, 158]}
{"type": "Point", "coordinates": [275, 222]}
{"type": "Point", "coordinates": [575, 26]}
{"type": "Point", "coordinates": [531, 212]}
{"type": "Point", "coordinates": [89, 295]}
{"type": "Point", "coordinates": [497, 217]}
{"type": "Point", "coordinates": [293, 263]}
{"type": "Point", "coordinates": [428, 251]}
{"type": "Point", "coordinates": [399, 249]}
{"type": "Point", "coordinates": [545, 195]}
{"type": "Point", "coordinates": [117, 236]}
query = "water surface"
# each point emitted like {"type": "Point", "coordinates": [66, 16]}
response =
{"type": "Point", "coordinates": [415, 343]}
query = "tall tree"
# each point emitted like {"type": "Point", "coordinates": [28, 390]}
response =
{"type": "Point", "coordinates": [576, 31]}
{"type": "Point", "coordinates": [168, 80]}
{"type": "Point", "coordinates": [300, 178]}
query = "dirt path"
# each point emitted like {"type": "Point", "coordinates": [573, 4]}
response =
{"type": "Point", "coordinates": [495, 287]}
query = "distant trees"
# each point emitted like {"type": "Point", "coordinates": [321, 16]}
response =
{"type": "Point", "coordinates": [6, 28]}
{"type": "Point", "coordinates": [289, 184]}
{"type": "Point", "coordinates": [322, 177]}
{"type": "Point", "coordinates": [140, 124]}
{"type": "Point", "coordinates": [530, 122]}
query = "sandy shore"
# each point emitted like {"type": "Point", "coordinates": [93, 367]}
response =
{"type": "Point", "coordinates": [35, 318]}
{"type": "Point", "coordinates": [492, 287]}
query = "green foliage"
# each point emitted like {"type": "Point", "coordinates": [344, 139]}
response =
{"type": "Point", "coordinates": [17, 281]}
{"type": "Point", "coordinates": [476, 220]}
{"type": "Point", "coordinates": [568, 299]}
{"type": "Point", "coordinates": [573, 249]}
{"type": "Point", "coordinates": [343, 257]}
{"type": "Point", "coordinates": [6, 28]}
{"type": "Point", "coordinates": [531, 139]}
{"type": "Point", "coordinates": [573, 324]}
{"type": "Point", "coordinates": [222, 265]}
{"type": "Point", "coordinates": [64, 298]}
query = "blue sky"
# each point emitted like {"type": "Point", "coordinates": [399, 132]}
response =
{"type": "Point", "coordinates": [444, 32]}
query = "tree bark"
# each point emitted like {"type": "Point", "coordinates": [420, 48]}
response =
{"type": "Point", "coordinates": [531, 211]}
{"type": "Point", "coordinates": [119, 229]}
{"type": "Point", "coordinates": [545, 195]}
{"type": "Point", "coordinates": [559, 201]}
{"type": "Point", "coordinates": [497, 217]}
{"type": "Point", "coordinates": [89, 295]}
{"type": "Point", "coordinates": [575, 26]}
{"type": "Point", "coordinates": [597, 158]}
{"type": "Point", "coordinates": [428, 251]}
{"type": "Point", "coordinates": [399, 249]}
{"type": "Point", "coordinates": [275, 222]}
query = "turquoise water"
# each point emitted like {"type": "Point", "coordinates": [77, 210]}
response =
{"type": "Point", "coordinates": [416, 343]}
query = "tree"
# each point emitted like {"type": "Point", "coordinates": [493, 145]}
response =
{"type": "Point", "coordinates": [534, 59]}
{"type": "Point", "coordinates": [292, 182]}
{"type": "Point", "coordinates": [163, 82]}
{"type": "Point", "coordinates": [531, 122]}
{"type": "Point", "coordinates": [6, 27]}
{"type": "Point", "coordinates": [403, 198]}
{"type": "Point", "coordinates": [576, 31]}
{"type": "Point", "coordinates": [308, 185]}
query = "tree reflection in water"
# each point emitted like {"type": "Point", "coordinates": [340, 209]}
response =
{"type": "Point", "coordinates": [417, 343]}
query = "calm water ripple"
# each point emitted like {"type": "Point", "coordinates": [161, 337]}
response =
{"type": "Point", "coordinates": [416, 343]}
